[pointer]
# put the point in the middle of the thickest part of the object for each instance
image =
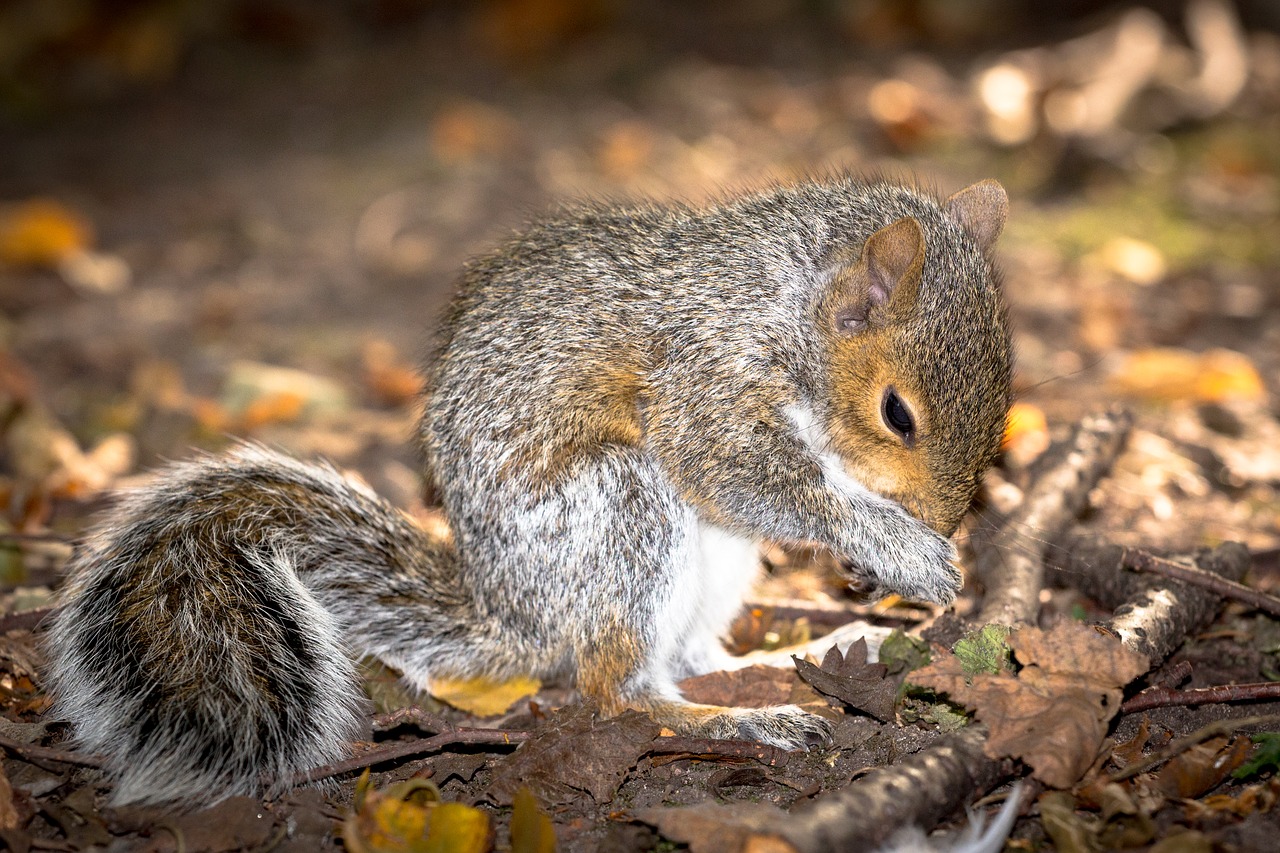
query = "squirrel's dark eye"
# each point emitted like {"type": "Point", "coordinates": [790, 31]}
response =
{"type": "Point", "coordinates": [897, 417]}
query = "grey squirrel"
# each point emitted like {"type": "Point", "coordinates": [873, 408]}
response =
{"type": "Point", "coordinates": [625, 401]}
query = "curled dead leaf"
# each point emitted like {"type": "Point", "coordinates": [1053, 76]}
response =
{"type": "Point", "coordinates": [1053, 713]}
{"type": "Point", "coordinates": [409, 817]}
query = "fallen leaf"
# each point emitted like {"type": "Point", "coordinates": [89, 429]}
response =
{"type": "Point", "coordinates": [1202, 767]}
{"type": "Point", "coordinates": [849, 678]}
{"type": "Point", "coordinates": [1069, 831]}
{"type": "Point", "coordinates": [1259, 798]}
{"type": "Point", "coordinates": [265, 393]}
{"type": "Point", "coordinates": [1265, 757]}
{"type": "Point", "coordinates": [1136, 260]}
{"type": "Point", "coordinates": [1026, 431]}
{"type": "Point", "coordinates": [531, 830]}
{"type": "Point", "coordinates": [1184, 841]}
{"type": "Point", "coordinates": [409, 817]}
{"type": "Point", "coordinates": [572, 753]}
{"type": "Point", "coordinates": [750, 687]}
{"type": "Point", "coordinates": [1131, 751]}
{"type": "Point", "coordinates": [9, 817]}
{"type": "Point", "coordinates": [1214, 376]}
{"type": "Point", "coordinates": [392, 380]}
{"type": "Point", "coordinates": [1053, 713]}
{"type": "Point", "coordinates": [41, 233]}
{"type": "Point", "coordinates": [902, 653]}
{"type": "Point", "coordinates": [464, 132]}
{"type": "Point", "coordinates": [714, 828]}
{"type": "Point", "coordinates": [483, 697]}
{"type": "Point", "coordinates": [985, 650]}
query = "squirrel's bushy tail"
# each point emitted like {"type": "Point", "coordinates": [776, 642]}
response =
{"type": "Point", "coordinates": [194, 650]}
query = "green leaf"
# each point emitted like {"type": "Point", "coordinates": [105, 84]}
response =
{"type": "Point", "coordinates": [902, 653]}
{"type": "Point", "coordinates": [1265, 757]}
{"type": "Point", "coordinates": [985, 651]}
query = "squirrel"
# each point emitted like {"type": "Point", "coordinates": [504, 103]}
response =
{"type": "Point", "coordinates": [624, 403]}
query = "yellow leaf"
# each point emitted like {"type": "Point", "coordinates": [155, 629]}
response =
{"type": "Point", "coordinates": [408, 817]}
{"type": "Point", "coordinates": [41, 233]}
{"type": "Point", "coordinates": [455, 828]}
{"type": "Point", "coordinates": [1176, 374]}
{"type": "Point", "coordinates": [483, 697]}
{"type": "Point", "coordinates": [531, 830]}
{"type": "Point", "coordinates": [1025, 425]}
{"type": "Point", "coordinates": [1227, 375]}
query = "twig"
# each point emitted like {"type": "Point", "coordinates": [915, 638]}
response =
{"type": "Point", "coordinates": [1163, 697]}
{"type": "Point", "coordinates": [1145, 561]}
{"type": "Point", "coordinates": [1011, 563]}
{"type": "Point", "coordinates": [1182, 744]}
{"type": "Point", "coordinates": [56, 538]}
{"type": "Point", "coordinates": [412, 715]}
{"type": "Point", "coordinates": [739, 750]}
{"type": "Point", "coordinates": [27, 750]}
{"type": "Point", "coordinates": [405, 749]}
{"type": "Point", "coordinates": [26, 620]}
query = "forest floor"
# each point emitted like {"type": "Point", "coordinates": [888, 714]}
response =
{"type": "Point", "coordinates": [261, 244]}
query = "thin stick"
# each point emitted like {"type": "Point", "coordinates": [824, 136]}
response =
{"type": "Point", "coordinates": [26, 620]}
{"type": "Point", "coordinates": [412, 715]}
{"type": "Point", "coordinates": [27, 750]}
{"type": "Point", "coordinates": [1145, 561]}
{"type": "Point", "coordinates": [1182, 744]}
{"type": "Point", "coordinates": [406, 749]}
{"type": "Point", "coordinates": [697, 747]}
{"type": "Point", "coordinates": [1164, 697]}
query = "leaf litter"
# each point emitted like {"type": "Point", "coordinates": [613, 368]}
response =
{"type": "Point", "coordinates": [1156, 287]}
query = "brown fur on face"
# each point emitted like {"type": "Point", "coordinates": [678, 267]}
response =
{"type": "Point", "coordinates": [957, 397]}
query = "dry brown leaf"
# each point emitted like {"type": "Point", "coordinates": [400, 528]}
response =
{"type": "Point", "coordinates": [392, 380]}
{"type": "Point", "coordinates": [1053, 713]}
{"type": "Point", "coordinates": [572, 753]}
{"type": "Point", "coordinates": [279, 407]}
{"type": "Point", "coordinates": [750, 687]}
{"type": "Point", "coordinates": [1131, 751]}
{"type": "Point", "coordinates": [710, 827]}
{"type": "Point", "coordinates": [1259, 798]}
{"type": "Point", "coordinates": [849, 678]}
{"type": "Point", "coordinates": [464, 132]}
{"type": "Point", "coordinates": [9, 817]}
{"type": "Point", "coordinates": [483, 697]}
{"type": "Point", "coordinates": [1202, 767]}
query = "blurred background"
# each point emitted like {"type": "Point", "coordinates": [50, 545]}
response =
{"type": "Point", "coordinates": [243, 217]}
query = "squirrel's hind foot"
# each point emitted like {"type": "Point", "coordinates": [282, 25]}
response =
{"type": "Point", "coordinates": [784, 726]}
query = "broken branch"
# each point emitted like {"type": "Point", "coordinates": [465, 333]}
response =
{"type": "Point", "coordinates": [1011, 563]}
{"type": "Point", "coordinates": [27, 750]}
{"type": "Point", "coordinates": [1145, 561]}
{"type": "Point", "coordinates": [1163, 697]}
{"type": "Point", "coordinates": [1153, 615]}
{"type": "Point", "coordinates": [407, 749]}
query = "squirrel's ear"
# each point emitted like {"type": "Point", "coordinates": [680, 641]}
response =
{"type": "Point", "coordinates": [885, 281]}
{"type": "Point", "coordinates": [980, 210]}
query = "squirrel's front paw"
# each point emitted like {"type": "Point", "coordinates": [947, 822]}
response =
{"type": "Point", "coordinates": [903, 555]}
{"type": "Point", "coordinates": [784, 726]}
